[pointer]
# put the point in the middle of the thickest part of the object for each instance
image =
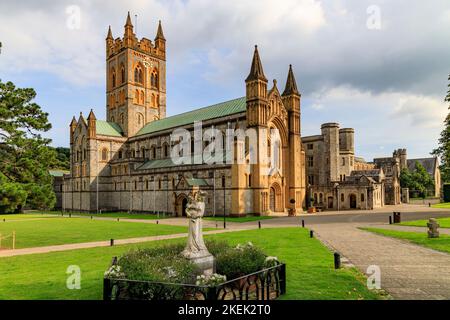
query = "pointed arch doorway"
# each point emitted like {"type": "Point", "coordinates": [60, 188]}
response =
{"type": "Point", "coordinates": [275, 198]}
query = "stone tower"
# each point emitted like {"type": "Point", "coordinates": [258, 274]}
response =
{"type": "Point", "coordinates": [256, 97]}
{"type": "Point", "coordinates": [135, 79]}
{"type": "Point", "coordinates": [291, 99]}
{"type": "Point", "coordinates": [330, 132]}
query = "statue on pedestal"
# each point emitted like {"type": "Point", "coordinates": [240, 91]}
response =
{"type": "Point", "coordinates": [433, 226]}
{"type": "Point", "coordinates": [196, 250]}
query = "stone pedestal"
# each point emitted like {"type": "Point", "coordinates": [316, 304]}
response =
{"type": "Point", "coordinates": [433, 226]}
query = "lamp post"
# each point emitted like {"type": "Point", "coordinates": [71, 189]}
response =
{"type": "Point", "coordinates": [224, 216]}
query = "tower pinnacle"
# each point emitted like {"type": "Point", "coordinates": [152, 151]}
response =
{"type": "Point", "coordinates": [291, 85]}
{"type": "Point", "coordinates": [256, 70]}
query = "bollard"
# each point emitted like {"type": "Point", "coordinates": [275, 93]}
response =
{"type": "Point", "coordinates": [429, 204]}
{"type": "Point", "coordinates": [390, 219]}
{"type": "Point", "coordinates": [303, 223]}
{"type": "Point", "coordinates": [118, 219]}
{"type": "Point", "coordinates": [259, 224]}
{"type": "Point", "coordinates": [337, 260]}
{"type": "Point", "coordinates": [112, 242]}
{"type": "Point", "coordinates": [70, 215]}
{"type": "Point", "coordinates": [311, 233]}
{"type": "Point", "coordinates": [157, 221]}
{"type": "Point", "coordinates": [4, 220]}
{"type": "Point", "coordinates": [91, 217]}
{"type": "Point", "coordinates": [217, 226]}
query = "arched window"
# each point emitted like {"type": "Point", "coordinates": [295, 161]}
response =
{"type": "Point", "coordinates": [140, 119]}
{"type": "Point", "coordinates": [223, 181]}
{"type": "Point", "coordinates": [104, 154]}
{"type": "Point", "coordinates": [138, 75]}
{"type": "Point", "coordinates": [342, 197]}
{"type": "Point", "coordinates": [136, 96]}
{"type": "Point", "coordinates": [143, 152]}
{"type": "Point", "coordinates": [120, 154]}
{"type": "Point", "coordinates": [154, 79]}
{"type": "Point", "coordinates": [113, 77]}
{"type": "Point", "coordinates": [362, 197]}
{"type": "Point", "coordinates": [142, 97]}
{"type": "Point", "coordinates": [122, 74]}
{"type": "Point", "coordinates": [153, 152]}
{"type": "Point", "coordinates": [122, 119]}
{"type": "Point", "coordinates": [166, 150]}
{"type": "Point", "coordinates": [249, 180]}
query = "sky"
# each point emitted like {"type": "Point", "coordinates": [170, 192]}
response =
{"type": "Point", "coordinates": [380, 67]}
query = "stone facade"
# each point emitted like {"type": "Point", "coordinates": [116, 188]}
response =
{"type": "Point", "coordinates": [125, 163]}
{"type": "Point", "coordinates": [336, 181]}
{"type": "Point", "coordinates": [391, 167]}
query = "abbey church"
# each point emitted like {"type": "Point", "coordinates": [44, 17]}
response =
{"type": "Point", "coordinates": [126, 162]}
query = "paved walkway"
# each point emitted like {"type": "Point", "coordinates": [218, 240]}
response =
{"type": "Point", "coordinates": [408, 271]}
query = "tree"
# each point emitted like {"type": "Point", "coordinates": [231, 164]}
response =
{"type": "Point", "coordinates": [62, 158]}
{"type": "Point", "coordinates": [24, 153]}
{"type": "Point", "coordinates": [443, 149]}
{"type": "Point", "coordinates": [418, 180]}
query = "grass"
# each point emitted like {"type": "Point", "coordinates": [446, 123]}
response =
{"type": "Point", "coordinates": [443, 222]}
{"type": "Point", "coordinates": [310, 272]}
{"type": "Point", "coordinates": [441, 244]}
{"type": "Point", "coordinates": [239, 219]}
{"type": "Point", "coordinates": [54, 231]}
{"type": "Point", "coordinates": [445, 205]}
{"type": "Point", "coordinates": [125, 215]}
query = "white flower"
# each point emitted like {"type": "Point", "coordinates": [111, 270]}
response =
{"type": "Point", "coordinates": [114, 272]}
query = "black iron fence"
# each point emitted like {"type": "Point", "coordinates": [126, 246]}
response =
{"type": "Point", "coordinates": [266, 284]}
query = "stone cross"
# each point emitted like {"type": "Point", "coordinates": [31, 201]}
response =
{"type": "Point", "coordinates": [433, 226]}
{"type": "Point", "coordinates": [196, 250]}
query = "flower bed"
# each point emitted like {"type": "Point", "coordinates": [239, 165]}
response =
{"type": "Point", "coordinates": [242, 273]}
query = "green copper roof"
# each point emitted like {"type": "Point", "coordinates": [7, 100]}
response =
{"type": "Point", "coordinates": [106, 128]}
{"type": "Point", "coordinates": [196, 182]}
{"type": "Point", "coordinates": [58, 173]}
{"type": "Point", "coordinates": [215, 111]}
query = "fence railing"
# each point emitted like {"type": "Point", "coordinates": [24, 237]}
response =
{"type": "Point", "coordinates": [266, 284]}
{"type": "Point", "coordinates": [8, 241]}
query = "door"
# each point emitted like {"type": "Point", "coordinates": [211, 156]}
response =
{"type": "Point", "coordinates": [352, 201]}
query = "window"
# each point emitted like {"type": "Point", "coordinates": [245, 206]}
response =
{"type": "Point", "coordinates": [153, 152]}
{"type": "Point", "coordinates": [113, 77]}
{"type": "Point", "coordinates": [311, 179]}
{"type": "Point", "coordinates": [120, 154]}
{"type": "Point", "coordinates": [310, 146]}
{"type": "Point", "coordinates": [342, 197]}
{"type": "Point", "coordinates": [159, 184]}
{"type": "Point", "coordinates": [124, 185]}
{"type": "Point", "coordinates": [143, 152]}
{"type": "Point", "coordinates": [146, 184]}
{"type": "Point", "coordinates": [166, 150]}
{"type": "Point", "coordinates": [138, 75]}
{"type": "Point", "coordinates": [122, 119]}
{"type": "Point", "coordinates": [310, 161]}
{"type": "Point", "coordinates": [249, 180]}
{"type": "Point", "coordinates": [343, 161]}
{"type": "Point", "coordinates": [104, 154]}
{"type": "Point", "coordinates": [362, 197]}
{"type": "Point", "coordinates": [122, 74]}
{"type": "Point", "coordinates": [135, 185]}
{"type": "Point", "coordinates": [223, 181]}
{"type": "Point", "coordinates": [154, 79]}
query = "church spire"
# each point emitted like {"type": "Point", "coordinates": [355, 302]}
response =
{"type": "Point", "coordinates": [291, 85]}
{"type": "Point", "coordinates": [128, 23]}
{"type": "Point", "coordinates": [109, 36]}
{"type": "Point", "coordinates": [256, 71]}
{"type": "Point", "coordinates": [159, 33]}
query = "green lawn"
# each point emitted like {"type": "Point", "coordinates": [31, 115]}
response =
{"type": "Point", "coordinates": [112, 215]}
{"type": "Point", "coordinates": [239, 219]}
{"type": "Point", "coordinates": [310, 272]}
{"type": "Point", "coordinates": [54, 231]}
{"type": "Point", "coordinates": [444, 223]}
{"type": "Point", "coordinates": [23, 216]}
{"type": "Point", "coordinates": [442, 243]}
{"type": "Point", "coordinates": [445, 205]}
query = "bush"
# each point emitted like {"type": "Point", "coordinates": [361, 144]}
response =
{"type": "Point", "coordinates": [164, 264]}
{"type": "Point", "coordinates": [12, 197]}
{"type": "Point", "coordinates": [217, 247]}
{"type": "Point", "coordinates": [239, 261]}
